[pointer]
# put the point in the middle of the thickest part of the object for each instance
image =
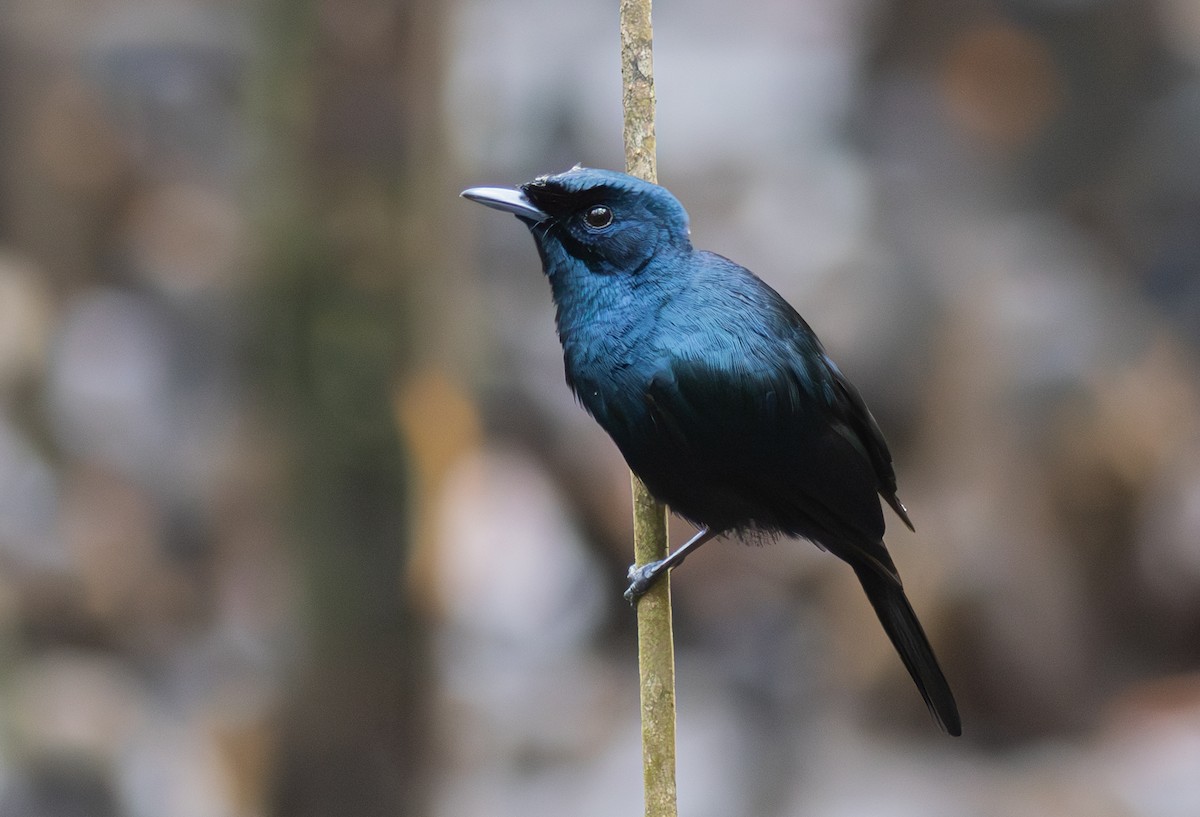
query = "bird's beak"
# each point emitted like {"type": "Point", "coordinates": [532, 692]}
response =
{"type": "Point", "coordinates": [507, 199]}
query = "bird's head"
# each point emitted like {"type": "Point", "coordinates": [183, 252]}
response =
{"type": "Point", "coordinates": [601, 221]}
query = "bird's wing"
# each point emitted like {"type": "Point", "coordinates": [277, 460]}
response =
{"type": "Point", "coordinates": [867, 436]}
{"type": "Point", "coordinates": [777, 324]}
{"type": "Point", "coordinates": [757, 435]}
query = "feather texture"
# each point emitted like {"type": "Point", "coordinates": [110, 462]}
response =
{"type": "Point", "coordinates": [717, 392]}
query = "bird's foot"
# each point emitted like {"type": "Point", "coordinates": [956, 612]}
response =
{"type": "Point", "coordinates": [642, 578]}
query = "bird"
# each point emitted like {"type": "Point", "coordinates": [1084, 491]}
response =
{"type": "Point", "coordinates": [718, 394]}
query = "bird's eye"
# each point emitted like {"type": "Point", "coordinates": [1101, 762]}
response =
{"type": "Point", "coordinates": [598, 217]}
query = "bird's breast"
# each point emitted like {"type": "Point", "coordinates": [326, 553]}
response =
{"type": "Point", "coordinates": [609, 373]}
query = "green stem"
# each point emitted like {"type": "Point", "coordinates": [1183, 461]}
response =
{"type": "Point", "coordinates": [656, 659]}
{"type": "Point", "coordinates": [656, 652]}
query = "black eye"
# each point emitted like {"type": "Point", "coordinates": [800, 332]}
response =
{"type": "Point", "coordinates": [598, 217]}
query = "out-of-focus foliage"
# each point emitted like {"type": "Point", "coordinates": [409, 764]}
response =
{"type": "Point", "coordinates": [297, 516]}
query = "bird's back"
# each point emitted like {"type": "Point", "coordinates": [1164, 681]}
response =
{"type": "Point", "coordinates": [727, 409]}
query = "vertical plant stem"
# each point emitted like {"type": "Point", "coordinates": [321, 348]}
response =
{"type": "Point", "coordinates": [656, 652]}
{"type": "Point", "coordinates": [637, 81]}
{"type": "Point", "coordinates": [656, 659]}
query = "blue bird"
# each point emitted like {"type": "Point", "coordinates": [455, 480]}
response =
{"type": "Point", "coordinates": [716, 391]}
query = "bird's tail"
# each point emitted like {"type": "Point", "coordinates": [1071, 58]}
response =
{"type": "Point", "coordinates": [901, 625]}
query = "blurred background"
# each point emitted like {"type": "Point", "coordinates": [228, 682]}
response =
{"type": "Point", "coordinates": [297, 516]}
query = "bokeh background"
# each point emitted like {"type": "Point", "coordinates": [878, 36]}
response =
{"type": "Point", "coordinates": [298, 518]}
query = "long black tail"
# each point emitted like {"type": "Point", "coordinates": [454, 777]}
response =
{"type": "Point", "coordinates": [901, 625]}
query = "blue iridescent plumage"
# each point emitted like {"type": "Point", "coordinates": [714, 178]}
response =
{"type": "Point", "coordinates": [715, 390]}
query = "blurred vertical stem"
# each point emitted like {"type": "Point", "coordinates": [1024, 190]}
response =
{"type": "Point", "coordinates": [656, 652]}
{"type": "Point", "coordinates": [348, 120]}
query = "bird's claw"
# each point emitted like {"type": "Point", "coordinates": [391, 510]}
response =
{"type": "Point", "coordinates": [641, 579]}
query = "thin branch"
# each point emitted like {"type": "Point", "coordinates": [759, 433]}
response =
{"type": "Point", "coordinates": [656, 652]}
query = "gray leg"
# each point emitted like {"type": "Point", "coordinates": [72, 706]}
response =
{"type": "Point", "coordinates": [642, 577]}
